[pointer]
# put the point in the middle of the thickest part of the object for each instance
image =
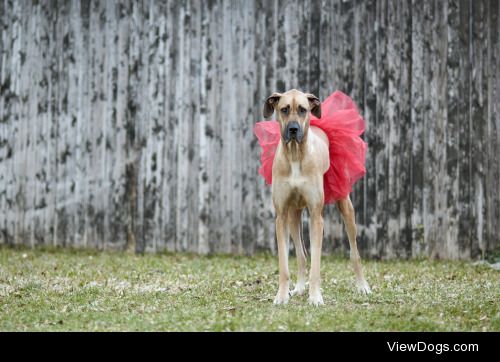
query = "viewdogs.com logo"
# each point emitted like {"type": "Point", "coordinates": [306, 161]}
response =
{"type": "Point", "coordinates": [437, 348]}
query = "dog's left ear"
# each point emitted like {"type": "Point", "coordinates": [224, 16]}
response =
{"type": "Point", "coordinates": [315, 105]}
{"type": "Point", "coordinates": [271, 101]}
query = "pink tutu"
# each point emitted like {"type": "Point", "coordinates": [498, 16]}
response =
{"type": "Point", "coordinates": [343, 125]}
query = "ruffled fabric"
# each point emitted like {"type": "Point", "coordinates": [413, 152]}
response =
{"type": "Point", "coordinates": [343, 125]}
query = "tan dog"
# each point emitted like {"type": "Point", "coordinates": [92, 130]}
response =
{"type": "Point", "coordinates": [301, 159]}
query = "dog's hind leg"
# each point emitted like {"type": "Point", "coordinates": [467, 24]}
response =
{"type": "Point", "coordinates": [295, 227]}
{"type": "Point", "coordinates": [347, 211]}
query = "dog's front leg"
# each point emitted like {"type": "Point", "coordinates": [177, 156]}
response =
{"type": "Point", "coordinates": [282, 238]}
{"type": "Point", "coordinates": [315, 297]}
{"type": "Point", "coordinates": [295, 227]}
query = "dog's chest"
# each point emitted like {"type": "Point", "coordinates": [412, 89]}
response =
{"type": "Point", "coordinates": [295, 169]}
{"type": "Point", "coordinates": [296, 177]}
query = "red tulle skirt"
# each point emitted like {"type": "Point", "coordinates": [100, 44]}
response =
{"type": "Point", "coordinates": [343, 125]}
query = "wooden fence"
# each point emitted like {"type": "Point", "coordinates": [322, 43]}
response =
{"type": "Point", "coordinates": [130, 122]}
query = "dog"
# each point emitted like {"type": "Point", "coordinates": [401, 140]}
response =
{"type": "Point", "coordinates": [301, 159]}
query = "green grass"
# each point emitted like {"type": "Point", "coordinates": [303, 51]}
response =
{"type": "Point", "coordinates": [80, 290]}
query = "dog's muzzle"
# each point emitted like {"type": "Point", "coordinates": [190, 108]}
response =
{"type": "Point", "coordinates": [293, 132]}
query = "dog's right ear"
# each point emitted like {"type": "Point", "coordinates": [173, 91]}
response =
{"type": "Point", "coordinates": [315, 105]}
{"type": "Point", "coordinates": [271, 101]}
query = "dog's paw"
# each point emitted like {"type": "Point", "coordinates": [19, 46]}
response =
{"type": "Point", "coordinates": [299, 289]}
{"type": "Point", "coordinates": [282, 297]}
{"type": "Point", "coordinates": [363, 287]}
{"type": "Point", "coordinates": [316, 299]}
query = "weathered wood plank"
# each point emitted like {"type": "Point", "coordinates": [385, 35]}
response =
{"type": "Point", "coordinates": [267, 55]}
{"type": "Point", "coordinates": [368, 224]}
{"type": "Point", "coordinates": [493, 79]}
{"type": "Point", "coordinates": [151, 126]}
{"type": "Point", "coordinates": [192, 119]}
{"type": "Point", "coordinates": [437, 136]}
{"type": "Point", "coordinates": [479, 124]}
{"type": "Point", "coordinates": [137, 66]}
{"type": "Point", "coordinates": [382, 129]}
{"type": "Point", "coordinates": [120, 195]}
{"type": "Point", "coordinates": [393, 121]}
{"type": "Point", "coordinates": [417, 128]}
{"type": "Point", "coordinates": [166, 159]}
{"type": "Point", "coordinates": [4, 141]}
{"type": "Point", "coordinates": [454, 99]}
{"type": "Point", "coordinates": [405, 136]}
{"type": "Point", "coordinates": [357, 93]}
{"type": "Point", "coordinates": [429, 156]}
{"type": "Point", "coordinates": [466, 223]}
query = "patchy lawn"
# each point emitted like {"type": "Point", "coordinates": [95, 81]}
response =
{"type": "Point", "coordinates": [89, 291]}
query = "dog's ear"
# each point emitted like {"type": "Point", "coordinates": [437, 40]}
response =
{"type": "Point", "coordinates": [271, 101]}
{"type": "Point", "coordinates": [315, 105]}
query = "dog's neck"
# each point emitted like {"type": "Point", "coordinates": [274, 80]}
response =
{"type": "Point", "coordinates": [294, 151]}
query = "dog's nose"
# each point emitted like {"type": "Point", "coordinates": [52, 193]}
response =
{"type": "Point", "coordinates": [293, 128]}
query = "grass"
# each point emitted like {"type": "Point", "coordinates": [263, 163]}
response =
{"type": "Point", "coordinates": [81, 290]}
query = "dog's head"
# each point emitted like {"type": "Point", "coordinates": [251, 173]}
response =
{"type": "Point", "coordinates": [292, 110]}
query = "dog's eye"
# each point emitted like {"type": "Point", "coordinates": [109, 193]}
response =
{"type": "Point", "coordinates": [284, 110]}
{"type": "Point", "coordinates": [302, 110]}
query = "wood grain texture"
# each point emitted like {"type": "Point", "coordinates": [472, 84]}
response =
{"type": "Point", "coordinates": [128, 124]}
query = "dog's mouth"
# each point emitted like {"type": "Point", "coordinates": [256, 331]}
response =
{"type": "Point", "coordinates": [294, 132]}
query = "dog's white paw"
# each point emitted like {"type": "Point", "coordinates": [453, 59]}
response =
{"type": "Point", "coordinates": [282, 297]}
{"type": "Point", "coordinates": [315, 298]}
{"type": "Point", "coordinates": [363, 287]}
{"type": "Point", "coordinates": [299, 289]}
